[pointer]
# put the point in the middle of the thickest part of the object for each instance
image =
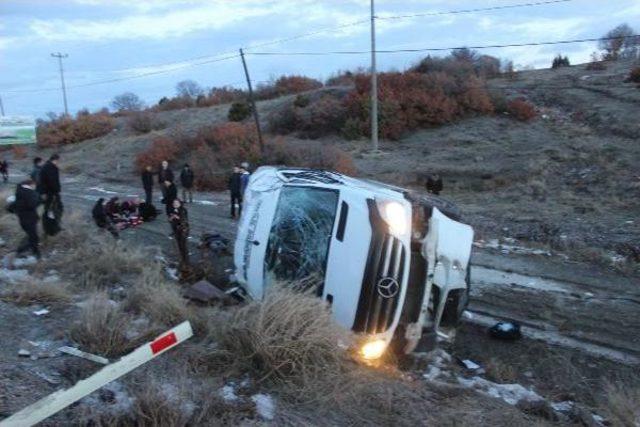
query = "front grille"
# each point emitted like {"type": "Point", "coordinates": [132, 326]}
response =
{"type": "Point", "coordinates": [385, 267]}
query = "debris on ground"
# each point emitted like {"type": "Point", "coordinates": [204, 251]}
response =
{"type": "Point", "coordinates": [79, 353]}
{"type": "Point", "coordinates": [41, 312]}
{"type": "Point", "coordinates": [508, 331]}
{"type": "Point", "coordinates": [204, 291]}
{"type": "Point", "coordinates": [228, 393]}
{"type": "Point", "coordinates": [510, 393]}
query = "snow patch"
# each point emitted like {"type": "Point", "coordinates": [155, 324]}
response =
{"type": "Point", "coordinates": [102, 190]}
{"type": "Point", "coordinates": [205, 203]}
{"type": "Point", "coordinates": [510, 393]}
{"type": "Point", "coordinates": [228, 393]}
{"type": "Point", "coordinates": [13, 276]}
{"type": "Point", "coordinates": [438, 366]}
{"type": "Point", "coordinates": [483, 276]}
{"type": "Point", "coordinates": [265, 406]}
{"type": "Point", "coordinates": [509, 247]}
{"type": "Point", "coordinates": [23, 262]}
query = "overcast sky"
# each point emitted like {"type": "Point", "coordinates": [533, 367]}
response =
{"type": "Point", "coordinates": [175, 40]}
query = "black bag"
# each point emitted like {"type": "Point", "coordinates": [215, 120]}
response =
{"type": "Point", "coordinates": [148, 212]}
{"type": "Point", "coordinates": [508, 331]}
{"type": "Point", "coordinates": [50, 225]}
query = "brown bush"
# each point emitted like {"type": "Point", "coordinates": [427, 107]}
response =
{"type": "Point", "coordinates": [287, 85]}
{"type": "Point", "coordinates": [634, 75]}
{"type": "Point", "coordinates": [313, 119]}
{"type": "Point", "coordinates": [160, 149]}
{"type": "Point", "coordinates": [521, 109]}
{"type": "Point", "coordinates": [19, 152]}
{"type": "Point", "coordinates": [67, 130]}
{"type": "Point", "coordinates": [143, 122]}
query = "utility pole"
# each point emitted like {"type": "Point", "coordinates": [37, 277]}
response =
{"type": "Point", "coordinates": [253, 102]}
{"type": "Point", "coordinates": [1, 107]}
{"type": "Point", "coordinates": [64, 89]}
{"type": "Point", "coordinates": [374, 82]}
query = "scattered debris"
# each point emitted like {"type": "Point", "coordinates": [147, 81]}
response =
{"type": "Point", "coordinates": [439, 361]}
{"type": "Point", "coordinates": [79, 353]}
{"type": "Point", "coordinates": [540, 408]}
{"type": "Point", "coordinates": [470, 365]}
{"type": "Point", "coordinates": [509, 247]}
{"type": "Point", "coordinates": [172, 273]}
{"type": "Point", "coordinates": [510, 393]}
{"type": "Point", "coordinates": [265, 406]}
{"type": "Point", "coordinates": [508, 331]}
{"type": "Point", "coordinates": [204, 291]}
{"type": "Point", "coordinates": [53, 379]}
{"type": "Point", "coordinates": [41, 312]}
{"type": "Point", "coordinates": [24, 353]}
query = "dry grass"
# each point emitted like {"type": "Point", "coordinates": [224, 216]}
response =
{"type": "Point", "coordinates": [102, 328]}
{"type": "Point", "coordinates": [34, 292]}
{"type": "Point", "coordinates": [288, 337]}
{"type": "Point", "coordinates": [501, 372]}
{"type": "Point", "coordinates": [158, 299]}
{"type": "Point", "coordinates": [623, 405]}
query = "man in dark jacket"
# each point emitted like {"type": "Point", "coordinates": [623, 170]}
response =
{"type": "Point", "coordinates": [434, 184]}
{"type": "Point", "coordinates": [235, 188]}
{"type": "Point", "coordinates": [35, 172]}
{"type": "Point", "coordinates": [170, 194]}
{"type": "Point", "coordinates": [186, 179]}
{"type": "Point", "coordinates": [27, 201]}
{"type": "Point", "coordinates": [50, 187]}
{"type": "Point", "coordinates": [147, 184]}
{"type": "Point", "coordinates": [164, 174]}
{"type": "Point", "coordinates": [101, 218]}
{"type": "Point", "coordinates": [4, 170]}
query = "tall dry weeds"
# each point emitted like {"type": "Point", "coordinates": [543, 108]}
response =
{"type": "Point", "coordinates": [288, 337]}
{"type": "Point", "coordinates": [102, 328]}
{"type": "Point", "coordinates": [36, 292]}
{"type": "Point", "coordinates": [623, 404]}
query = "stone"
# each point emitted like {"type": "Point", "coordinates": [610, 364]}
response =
{"type": "Point", "coordinates": [204, 291]}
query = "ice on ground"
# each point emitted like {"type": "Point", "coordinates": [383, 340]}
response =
{"type": "Point", "coordinates": [439, 362]}
{"type": "Point", "coordinates": [23, 262]}
{"type": "Point", "coordinates": [510, 393]}
{"type": "Point", "coordinates": [509, 247]}
{"type": "Point", "coordinates": [172, 273]}
{"type": "Point", "coordinates": [13, 276]}
{"type": "Point", "coordinates": [483, 276]}
{"type": "Point", "coordinates": [206, 203]}
{"type": "Point", "coordinates": [470, 364]}
{"type": "Point", "coordinates": [564, 406]}
{"type": "Point", "coordinates": [265, 406]}
{"type": "Point", "coordinates": [228, 393]}
{"type": "Point", "coordinates": [102, 190]}
{"type": "Point", "coordinates": [91, 198]}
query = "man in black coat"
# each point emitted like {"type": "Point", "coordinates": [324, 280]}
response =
{"type": "Point", "coordinates": [147, 184]}
{"type": "Point", "coordinates": [164, 174]}
{"type": "Point", "coordinates": [186, 179]}
{"type": "Point", "coordinates": [235, 188]}
{"type": "Point", "coordinates": [434, 184]}
{"type": "Point", "coordinates": [27, 201]}
{"type": "Point", "coordinates": [35, 172]}
{"type": "Point", "coordinates": [50, 187]}
{"type": "Point", "coordinates": [170, 194]}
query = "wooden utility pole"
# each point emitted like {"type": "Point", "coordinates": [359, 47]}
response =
{"type": "Point", "coordinates": [64, 89]}
{"type": "Point", "coordinates": [374, 83]}
{"type": "Point", "coordinates": [1, 107]}
{"type": "Point", "coordinates": [253, 102]}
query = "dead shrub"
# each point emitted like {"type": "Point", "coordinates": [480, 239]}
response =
{"type": "Point", "coordinates": [67, 130]}
{"type": "Point", "coordinates": [623, 405]}
{"type": "Point", "coordinates": [161, 301]}
{"type": "Point", "coordinates": [239, 111]}
{"type": "Point", "coordinates": [35, 292]}
{"type": "Point", "coordinates": [501, 372]}
{"type": "Point", "coordinates": [143, 122]}
{"type": "Point", "coordinates": [287, 85]}
{"type": "Point", "coordinates": [102, 328]}
{"type": "Point", "coordinates": [521, 109]}
{"type": "Point", "coordinates": [634, 75]}
{"type": "Point", "coordinates": [159, 150]}
{"type": "Point", "coordinates": [288, 337]}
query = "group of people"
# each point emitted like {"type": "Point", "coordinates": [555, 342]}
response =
{"type": "Point", "coordinates": [42, 187]}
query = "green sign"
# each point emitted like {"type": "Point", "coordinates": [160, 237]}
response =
{"type": "Point", "coordinates": [17, 130]}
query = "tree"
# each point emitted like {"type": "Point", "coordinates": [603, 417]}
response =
{"type": "Point", "coordinates": [620, 43]}
{"type": "Point", "coordinates": [127, 101]}
{"type": "Point", "coordinates": [560, 61]}
{"type": "Point", "coordinates": [189, 89]}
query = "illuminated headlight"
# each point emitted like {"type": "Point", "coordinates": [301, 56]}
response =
{"type": "Point", "coordinates": [395, 215]}
{"type": "Point", "coordinates": [373, 349]}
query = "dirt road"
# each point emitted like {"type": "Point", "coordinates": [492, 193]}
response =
{"type": "Point", "coordinates": [562, 303]}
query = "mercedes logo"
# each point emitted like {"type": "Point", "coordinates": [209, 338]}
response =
{"type": "Point", "coordinates": [388, 287]}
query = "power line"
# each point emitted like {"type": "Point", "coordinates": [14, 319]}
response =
{"type": "Point", "coordinates": [438, 49]}
{"type": "Point", "coordinates": [475, 10]}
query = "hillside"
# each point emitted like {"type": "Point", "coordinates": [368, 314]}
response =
{"type": "Point", "coordinates": [567, 179]}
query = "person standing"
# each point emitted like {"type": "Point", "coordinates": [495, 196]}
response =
{"type": "Point", "coordinates": [235, 188]}
{"type": "Point", "coordinates": [434, 184]}
{"type": "Point", "coordinates": [179, 220]}
{"type": "Point", "coordinates": [170, 194]}
{"type": "Point", "coordinates": [186, 179]}
{"type": "Point", "coordinates": [50, 188]}
{"type": "Point", "coordinates": [164, 174]}
{"type": "Point", "coordinates": [4, 170]}
{"type": "Point", "coordinates": [26, 204]}
{"type": "Point", "coordinates": [35, 172]}
{"type": "Point", "coordinates": [244, 178]}
{"type": "Point", "coordinates": [147, 184]}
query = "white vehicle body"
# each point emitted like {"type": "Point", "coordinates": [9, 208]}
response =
{"type": "Point", "coordinates": [363, 242]}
